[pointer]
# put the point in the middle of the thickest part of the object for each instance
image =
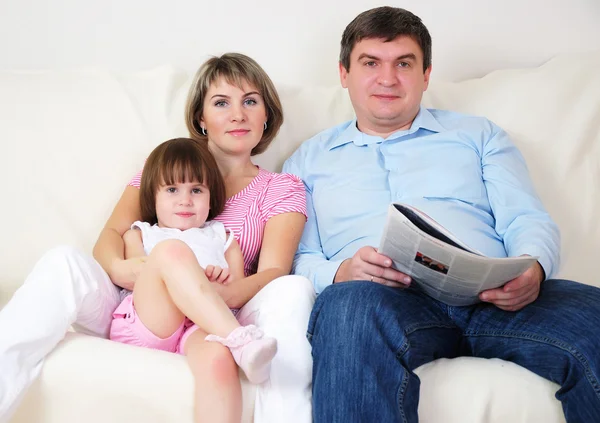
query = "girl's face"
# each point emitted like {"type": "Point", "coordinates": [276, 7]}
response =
{"type": "Point", "coordinates": [233, 117]}
{"type": "Point", "coordinates": [182, 205]}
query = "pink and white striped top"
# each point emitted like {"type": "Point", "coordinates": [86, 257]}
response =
{"type": "Point", "coordinates": [247, 212]}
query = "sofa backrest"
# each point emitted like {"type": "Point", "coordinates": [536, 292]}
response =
{"type": "Point", "coordinates": [70, 141]}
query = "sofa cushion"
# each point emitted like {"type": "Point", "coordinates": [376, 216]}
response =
{"type": "Point", "coordinates": [136, 384]}
{"type": "Point", "coordinates": [70, 142]}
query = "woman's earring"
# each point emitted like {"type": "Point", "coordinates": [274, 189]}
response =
{"type": "Point", "coordinates": [265, 126]}
{"type": "Point", "coordinates": [203, 130]}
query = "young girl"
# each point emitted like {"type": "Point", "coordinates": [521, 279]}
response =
{"type": "Point", "coordinates": [181, 192]}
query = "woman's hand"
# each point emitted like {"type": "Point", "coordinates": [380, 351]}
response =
{"type": "Point", "coordinates": [124, 273]}
{"type": "Point", "coordinates": [225, 292]}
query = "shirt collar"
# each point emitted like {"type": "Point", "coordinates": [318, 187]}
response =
{"type": "Point", "coordinates": [423, 120]}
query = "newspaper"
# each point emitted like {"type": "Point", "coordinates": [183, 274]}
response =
{"type": "Point", "coordinates": [440, 264]}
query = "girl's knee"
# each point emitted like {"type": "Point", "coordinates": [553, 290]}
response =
{"type": "Point", "coordinates": [216, 364]}
{"type": "Point", "coordinates": [222, 368]}
{"type": "Point", "coordinates": [172, 251]}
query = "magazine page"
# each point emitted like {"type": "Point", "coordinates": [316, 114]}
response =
{"type": "Point", "coordinates": [440, 264]}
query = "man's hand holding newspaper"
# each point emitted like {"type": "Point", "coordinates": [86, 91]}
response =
{"type": "Point", "coordinates": [367, 264]}
{"type": "Point", "coordinates": [519, 292]}
{"type": "Point", "coordinates": [451, 272]}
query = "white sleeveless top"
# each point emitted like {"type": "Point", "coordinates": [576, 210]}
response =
{"type": "Point", "coordinates": [208, 243]}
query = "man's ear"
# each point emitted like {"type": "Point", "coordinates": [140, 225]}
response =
{"type": "Point", "coordinates": [426, 76]}
{"type": "Point", "coordinates": [343, 75]}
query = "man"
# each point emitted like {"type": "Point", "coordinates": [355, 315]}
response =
{"type": "Point", "coordinates": [369, 335]}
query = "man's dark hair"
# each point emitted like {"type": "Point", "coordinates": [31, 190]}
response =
{"type": "Point", "coordinates": [386, 23]}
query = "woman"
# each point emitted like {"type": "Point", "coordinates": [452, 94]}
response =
{"type": "Point", "coordinates": [234, 107]}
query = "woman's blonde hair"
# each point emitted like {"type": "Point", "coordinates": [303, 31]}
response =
{"type": "Point", "coordinates": [236, 69]}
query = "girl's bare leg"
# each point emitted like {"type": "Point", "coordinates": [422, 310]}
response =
{"type": "Point", "coordinates": [218, 393]}
{"type": "Point", "coordinates": [171, 286]}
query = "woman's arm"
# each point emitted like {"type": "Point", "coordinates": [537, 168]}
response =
{"type": "Point", "coordinates": [109, 248]}
{"type": "Point", "coordinates": [134, 246]}
{"type": "Point", "coordinates": [280, 240]}
{"type": "Point", "coordinates": [235, 260]}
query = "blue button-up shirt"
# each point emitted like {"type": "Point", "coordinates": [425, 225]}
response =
{"type": "Point", "coordinates": [463, 171]}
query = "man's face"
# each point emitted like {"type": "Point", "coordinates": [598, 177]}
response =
{"type": "Point", "coordinates": [385, 83]}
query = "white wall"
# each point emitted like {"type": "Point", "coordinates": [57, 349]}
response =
{"type": "Point", "coordinates": [295, 41]}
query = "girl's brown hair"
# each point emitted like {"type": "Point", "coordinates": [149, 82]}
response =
{"type": "Point", "coordinates": [180, 160]}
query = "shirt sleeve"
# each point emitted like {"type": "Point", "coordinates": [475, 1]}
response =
{"type": "Point", "coordinates": [284, 195]}
{"type": "Point", "coordinates": [521, 219]}
{"type": "Point", "coordinates": [136, 180]}
{"type": "Point", "coordinates": [221, 232]}
{"type": "Point", "coordinates": [310, 261]}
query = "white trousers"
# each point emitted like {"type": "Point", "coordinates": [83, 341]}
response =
{"type": "Point", "coordinates": [67, 287]}
{"type": "Point", "coordinates": [282, 310]}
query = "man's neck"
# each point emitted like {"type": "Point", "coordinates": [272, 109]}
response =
{"type": "Point", "coordinates": [383, 129]}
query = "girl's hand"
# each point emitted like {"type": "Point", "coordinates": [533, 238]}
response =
{"type": "Point", "coordinates": [217, 274]}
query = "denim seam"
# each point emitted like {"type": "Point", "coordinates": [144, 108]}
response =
{"type": "Point", "coordinates": [404, 384]}
{"type": "Point", "coordinates": [549, 341]}
{"type": "Point", "coordinates": [410, 329]}
{"type": "Point", "coordinates": [404, 349]}
{"type": "Point", "coordinates": [311, 329]}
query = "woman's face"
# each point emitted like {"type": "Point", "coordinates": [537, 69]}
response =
{"type": "Point", "coordinates": [233, 117]}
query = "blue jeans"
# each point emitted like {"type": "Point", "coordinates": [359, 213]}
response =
{"type": "Point", "coordinates": [368, 338]}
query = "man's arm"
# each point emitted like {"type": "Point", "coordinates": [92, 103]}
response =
{"type": "Point", "coordinates": [521, 220]}
{"type": "Point", "coordinates": [311, 262]}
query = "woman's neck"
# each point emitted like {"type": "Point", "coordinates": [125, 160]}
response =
{"type": "Point", "coordinates": [236, 167]}
{"type": "Point", "coordinates": [237, 171]}
{"type": "Point", "coordinates": [230, 165]}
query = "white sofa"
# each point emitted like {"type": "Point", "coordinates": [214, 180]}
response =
{"type": "Point", "coordinates": [70, 140]}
